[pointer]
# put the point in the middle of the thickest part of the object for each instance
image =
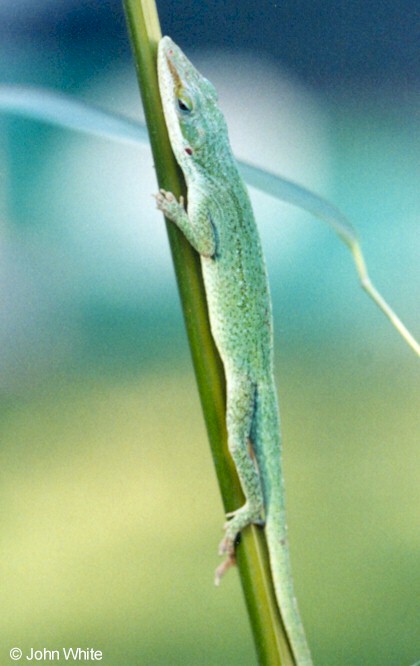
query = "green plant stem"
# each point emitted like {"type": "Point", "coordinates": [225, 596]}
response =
{"type": "Point", "coordinates": [270, 639]}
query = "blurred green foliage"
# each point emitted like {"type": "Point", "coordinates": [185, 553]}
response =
{"type": "Point", "coordinates": [110, 510]}
{"type": "Point", "coordinates": [111, 517]}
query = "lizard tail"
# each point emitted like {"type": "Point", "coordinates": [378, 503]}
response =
{"type": "Point", "coordinates": [276, 533]}
{"type": "Point", "coordinates": [268, 453]}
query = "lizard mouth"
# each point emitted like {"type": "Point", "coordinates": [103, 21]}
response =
{"type": "Point", "coordinates": [169, 67]}
{"type": "Point", "coordinates": [172, 69]}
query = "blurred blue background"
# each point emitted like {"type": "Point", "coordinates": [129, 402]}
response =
{"type": "Point", "coordinates": [111, 514]}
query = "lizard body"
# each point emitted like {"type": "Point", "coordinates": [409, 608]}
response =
{"type": "Point", "coordinates": [220, 225]}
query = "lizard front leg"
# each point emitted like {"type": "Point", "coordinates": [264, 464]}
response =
{"type": "Point", "coordinates": [195, 224]}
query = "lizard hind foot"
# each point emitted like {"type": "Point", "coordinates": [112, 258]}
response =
{"type": "Point", "coordinates": [238, 520]}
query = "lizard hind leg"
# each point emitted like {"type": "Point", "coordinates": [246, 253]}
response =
{"type": "Point", "coordinates": [240, 413]}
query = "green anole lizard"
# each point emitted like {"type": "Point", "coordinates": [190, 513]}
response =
{"type": "Point", "coordinates": [219, 223]}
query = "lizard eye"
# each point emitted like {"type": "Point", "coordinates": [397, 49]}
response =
{"type": "Point", "coordinates": [184, 105]}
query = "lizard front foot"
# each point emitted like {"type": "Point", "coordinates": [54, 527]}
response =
{"type": "Point", "coordinates": [169, 205]}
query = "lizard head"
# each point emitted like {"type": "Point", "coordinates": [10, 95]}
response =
{"type": "Point", "coordinates": [195, 123]}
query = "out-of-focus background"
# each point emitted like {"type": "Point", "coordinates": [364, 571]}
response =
{"type": "Point", "coordinates": [110, 509]}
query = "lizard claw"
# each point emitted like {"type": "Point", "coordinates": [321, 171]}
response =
{"type": "Point", "coordinates": [230, 514]}
{"type": "Point", "coordinates": [167, 195]}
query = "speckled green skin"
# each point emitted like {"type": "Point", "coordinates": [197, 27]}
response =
{"type": "Point", "coordinates": [220, 225]}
